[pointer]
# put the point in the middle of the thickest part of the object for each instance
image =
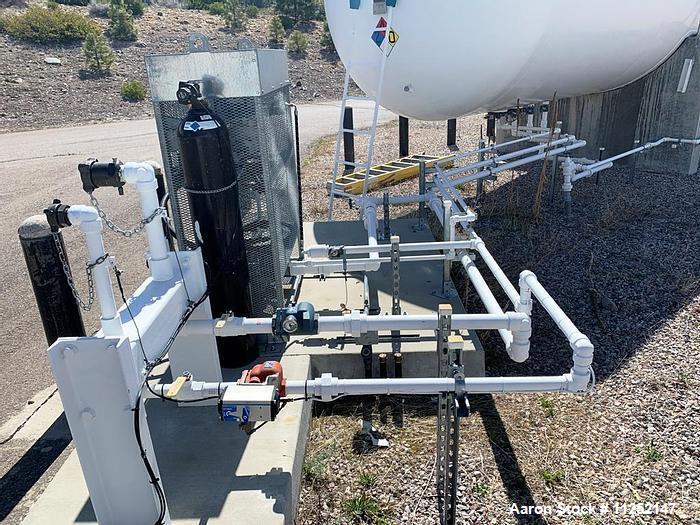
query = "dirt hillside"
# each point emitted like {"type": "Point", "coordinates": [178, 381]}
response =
{"type": "Point", "coordinates": [35, 94]}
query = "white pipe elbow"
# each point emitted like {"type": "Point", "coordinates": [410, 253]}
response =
{"type": "Point", "coordinates": [583, 360]}
{"type": "Point", "coordinates": [86, 217]}
{"type": "Point", "coordinates": [519, 348]}
{"type": "Point", "coordinates": [141, 174]}
{"type": "Point", "coordinates": [319, 251]}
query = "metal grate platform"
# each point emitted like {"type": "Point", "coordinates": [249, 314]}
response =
{"type": "Point", "coordinates": [262, 138]}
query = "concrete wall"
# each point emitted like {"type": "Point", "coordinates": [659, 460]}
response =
{"type": "Point", "coordinates": [646, 110]}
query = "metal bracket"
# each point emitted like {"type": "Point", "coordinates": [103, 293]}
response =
{"type": "Point", "coordinates": [447, 465]}
{"type": "Point", "coordinates": [198, 43]}
{"type": "Point", "coordinates": [387, 217]}
{"type": "Point", "coordinates": [395, 290]}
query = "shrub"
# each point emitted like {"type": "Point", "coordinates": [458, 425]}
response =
{"type": "Point", "coordinates": [98, 56]}
{"type": "Point", "coordinates": [276, 31]}
{"type": "Point", "coordinates": [82, 3]}
{"type": "Point", "coordinates": [294, 11]}
{"type": "Point", "coordinates": [121, 24]}
{"type": "Point", "coordinates": [135, 7]}
{"type": "Point", "coordinates": [48, 26]}
{"type": "Point", "coordinates": [235, 14]}
{"type": "Point", "coordinates": [98, 9]}
{"type": "Point", "coordinates": [327, 40]}
{"type": "Point", "coordinates": [297, 43]}
{"type": "Point", "coordinates": [217, 8]}
{"type": "Point", "coordinates": [363, 509]}
{"type": "Point", "coordinates": [251, 11]}
{"type": "Point", "coordinates": [133, 91]}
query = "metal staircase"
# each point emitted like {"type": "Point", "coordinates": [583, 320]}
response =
{"type": "Point", "coordinates": [385, 49]}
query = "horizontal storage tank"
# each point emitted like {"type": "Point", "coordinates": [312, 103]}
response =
{"type": "Point", "coordinates": [454, 57]}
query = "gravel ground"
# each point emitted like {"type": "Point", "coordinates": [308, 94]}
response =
{"type": "Point", "coordinates": [38, 95]}
{"type": "Point", "coordinates": [626, 268]}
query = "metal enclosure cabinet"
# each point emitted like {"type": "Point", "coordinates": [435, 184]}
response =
{"type": "Point", "coordinates": [249, 90]}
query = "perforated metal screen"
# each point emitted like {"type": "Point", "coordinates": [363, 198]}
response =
{"type": "Point", "coordinates": [262, 139]}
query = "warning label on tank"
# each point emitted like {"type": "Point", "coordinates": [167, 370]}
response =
{"type": "Point", "coordinates": [196, 126]}
{"type": "Point", "coordinates": [393, 37]}
{"type": "Point", "coordinates": [380, 34]}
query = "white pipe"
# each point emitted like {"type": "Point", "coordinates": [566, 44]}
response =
{"type": "Point", "coordinates": [518, 349]}
{"type": "Point", "coordinates": [566, 139]}
{"type": "Point", "coordinates": [143, 176]}
{"type": "Point", "coordinates": [87, 218]}
{"type": "Point", "coordinates": [495, 269]}
{"type": "Point", "coordinates": [331, 266]}
{"type": "Point", "coordinates": [370, 213]}
{"type": "Point", "coordinates": [327, 387]}
{"type": "Point", "coordinates": [516, 164]}
{"type": "Point", "coordinates": [490, 149]}
{"type": "Point", "coordinates": [323, 250]}
{"type": "Point", "coordinates": [580, 344]}
{"type": "Point", "coordinates": [393, 199]}
{"type": "Point", "coordinates": [596, 167]}
{"type": "Point", "coordinates": [359, 323]}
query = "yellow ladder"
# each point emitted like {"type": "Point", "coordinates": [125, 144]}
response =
{"type": "Point", "coordinates": [383, 175]}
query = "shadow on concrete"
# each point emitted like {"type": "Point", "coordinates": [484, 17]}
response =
{"type": "Point", "coordinates": [26, 472]}
{"type": "Point", "coordinates": [199, 457]}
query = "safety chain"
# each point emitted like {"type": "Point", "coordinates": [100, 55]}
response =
{"type": "Point", "coordinates": [69, 276]}
{"type": "Point", "coordinates": [116, 229]}
{"type": "Point", "coordinates": [210, 192]}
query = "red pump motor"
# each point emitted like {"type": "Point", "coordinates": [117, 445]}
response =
{"type": "Point", "coordinates": [260, 373]}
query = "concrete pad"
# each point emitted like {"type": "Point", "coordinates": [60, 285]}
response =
{"type": "Point", "coordinates": [32, 421]}
{"type": "Point", "coordinates": [212, 472]}
{"type": "Point", "coordinates": [420, 284]}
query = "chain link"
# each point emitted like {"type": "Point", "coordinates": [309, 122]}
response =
{"type": "Point", "coordinates": [116, 229]}
{"type": "Point", "coordinates": [86, 306]}
{"type": "Point", "coordinates": [211, 192]}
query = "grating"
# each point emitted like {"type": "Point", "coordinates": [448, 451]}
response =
{"type": "Point", "coordinates": [262, 139]}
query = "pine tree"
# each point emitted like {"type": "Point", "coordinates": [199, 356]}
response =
{"type": "Point", "coordinates": [235, 14]}
{"type": "Point", "coordinates": [121, 23]}
{"type": "Point", "coordinates": [327, 39]}
{"type": "Point", "coordinates": [98, 55]}
{"type": "Point", "coordinates": [276, 31]}
{"type": "Point", "coordinates": [295, 11]}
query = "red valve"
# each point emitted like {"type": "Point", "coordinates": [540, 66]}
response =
{"type": "Point", "coordinates": [260, 373]}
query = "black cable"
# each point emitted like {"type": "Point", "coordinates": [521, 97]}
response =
{"type": "Point", "coordinates": [154, 480]}
{"type": "Point", "coordinates": [164, 398]}
{"type": "Point", "coordinates": [118, 274]}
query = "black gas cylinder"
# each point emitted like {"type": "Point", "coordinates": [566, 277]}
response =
{"type": "Point", "coordinates": [212, 187]}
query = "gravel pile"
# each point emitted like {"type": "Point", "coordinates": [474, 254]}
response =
{"type": "Point", "coordinates": [626, 268]}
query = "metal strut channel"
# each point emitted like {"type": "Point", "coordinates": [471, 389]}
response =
{"type": "Point", "coordinates": [395, 291]}
{"type": "Point", "coordinates": [447, 464]}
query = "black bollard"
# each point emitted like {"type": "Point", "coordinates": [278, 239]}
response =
{"type": "Point", "coordinates": [398, 408]}
{"type": "Point", "coordinates": [452, 133]}
{"type": "Point", "coordinates": [403, 137]}
{"type": "Point", "coordinates": [349, 139]}
{"type": "Point", "coordinates": [384, 404]}
{"type": "Point", "coordinates": [58, 308]}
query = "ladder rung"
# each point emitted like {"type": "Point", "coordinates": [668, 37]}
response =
{"type": "Point", "coordinates": [357, 131]}
{"type": "Point", "coordinates": [353, 164]}
{"type": "Point", "coordinates": [359, 99]}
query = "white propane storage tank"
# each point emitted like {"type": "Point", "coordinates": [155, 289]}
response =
{"type": "Point", "coordinates": [455, 57]}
